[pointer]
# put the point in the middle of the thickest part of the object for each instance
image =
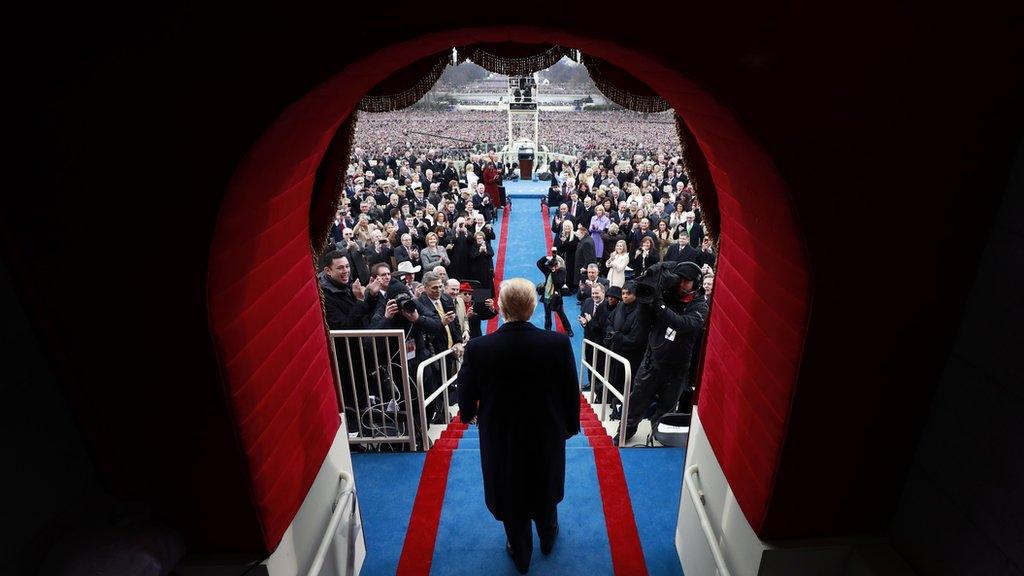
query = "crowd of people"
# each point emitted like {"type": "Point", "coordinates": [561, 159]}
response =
{"type": "Point", "coordinates": [570, 133]}
{"type": "Point", "coordinates": [630, 243]}
{"type": "Point", "coordinates": [411, 248]}
{"type": "Point", "coordinates": [414, 252]}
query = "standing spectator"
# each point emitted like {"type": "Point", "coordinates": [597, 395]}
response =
{"type": "Point", "coordinates": [434, 255]}
{"type": "Point", "coordinates": [463, 306]}
{"type": "Point", "coordinates": [481, 262]}
{"type": "Point", "coordinates": [664, 237]}
{"type": "Point", "coordinates": [586, 253]}
{"type": "Point", "coordinates": [565, 246]}
{"type": "Point", "coordinates": [492, 179]}
{"type": "Point", "coordinates": [347, 307]}
{"type": "Point", "coordinates": [590, 278]}
{"type": "Point", "coordinates": [617, 264]}
{"type": "Point", "coordinates": [644, 256]}
{"type": "Point", "coordinates": [682, 251]}
{"type": "Point", "coordinates": [598, 223]}
{"type": "Point", "coordinates": [694, 230]}
{"type": "Point", "coordinates": [625, 335]}
{"type": "Point", "coordinates": [472, 178]}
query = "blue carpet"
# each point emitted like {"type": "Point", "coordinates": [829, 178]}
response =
{"type": "Point", "coordinates": [527, 189]}
{"type": "Point", "coordinates": [655, 479]}
{"type": "Point", "coordinates": [386, 485]}
{"type": "Point", "coordinates": [525, 244]}
{"type": "Point", "coordinates": [471, 541]}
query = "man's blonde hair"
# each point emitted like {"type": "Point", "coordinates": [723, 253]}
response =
{"type": "Point", "coordinates": [517, 299]}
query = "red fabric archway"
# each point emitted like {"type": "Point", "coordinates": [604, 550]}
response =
{"type": "Point", "coordinates": [267, 322]}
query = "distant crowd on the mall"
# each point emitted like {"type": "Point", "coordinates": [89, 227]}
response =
{"type": "Point", "coordinates": [629, 242]}
{"type": "Point", "coordinates": [586, 134]}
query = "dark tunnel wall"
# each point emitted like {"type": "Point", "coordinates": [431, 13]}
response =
{"type": "Point", "coordinates": [889, 122]}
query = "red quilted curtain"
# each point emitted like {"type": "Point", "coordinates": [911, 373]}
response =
{"type": "Point", "coordinates": [513, 59]}
{"type": "Point", "coordinates": [406, 86]}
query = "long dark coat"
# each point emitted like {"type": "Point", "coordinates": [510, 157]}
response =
{"type": "Point", "coordinates": [524, 380]}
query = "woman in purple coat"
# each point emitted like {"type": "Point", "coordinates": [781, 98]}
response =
{"type": "Point", "coordinates": [598, 223]}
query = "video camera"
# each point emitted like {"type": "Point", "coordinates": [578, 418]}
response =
{"type": "Point", "coordinates": [661, 280]}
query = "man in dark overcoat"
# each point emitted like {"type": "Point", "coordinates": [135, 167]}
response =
{"type": "Point", "coordinates": [520, 385]}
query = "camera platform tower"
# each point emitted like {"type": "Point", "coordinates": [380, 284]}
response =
{"type": "Point", "coordinates": [523, 116]}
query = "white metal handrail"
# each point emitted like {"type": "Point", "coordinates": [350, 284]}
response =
{"type": "Point", "coordinates": [441, 390]}
{"type": "Point", "coordinates": [604, 377]}
{"type": "Point", "coordinates": [697, 495]}
{"type": "Point", "coordinates": [382, 369]}
{"type": "Point", "coordinates": [345, 501]}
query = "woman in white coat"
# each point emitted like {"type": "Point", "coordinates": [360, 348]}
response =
{"type": "Point", "coordinates": [617, 263]}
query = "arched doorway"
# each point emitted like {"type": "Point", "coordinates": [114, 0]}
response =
{"type": "Point", "coordinates": [265, 311]}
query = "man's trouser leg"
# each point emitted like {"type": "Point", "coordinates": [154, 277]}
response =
{"type": "Point", "coordinates": [669, 383]}
{"type": "Point", "coordinates": [519, 533]}
{"type": "Point", "coordinates": [547, 315]}
{"type": "Point", "coordinates": [546, 523]}
{"type": "Point", "coordinates": [644, 389]}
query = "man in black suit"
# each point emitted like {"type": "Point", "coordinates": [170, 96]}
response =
{"type": "Point", "coordinates": [435, 304]}
{"type": "Point", "coordinates": [576, 209]}
{"type": "Point", "coordinates": [586, 251]}
{"type": "Point", "coordinates": [682, 251]}
{"type": "Point", "coordinates": [694, 230]}
{"type": "Point", "coordinates": [561, 216]}
{"type": "Point", "coordinates": [520, 385]}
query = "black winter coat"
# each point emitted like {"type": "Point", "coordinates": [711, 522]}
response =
{"type": "Point", "coordinates": [524, 380]}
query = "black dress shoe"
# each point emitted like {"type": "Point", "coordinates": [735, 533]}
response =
{"type": "Point", "coordinates": [522, 564]}
{"type": "Point", "coordinates": [547, 545]}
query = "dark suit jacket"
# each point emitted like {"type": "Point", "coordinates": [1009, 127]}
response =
{"type": "Point", "coordinates": [586, 252]}
{"type": "Point", "coordinates": [440, 339]}
{"type": "Point", "coordinates": [688, 254]}
{"type": "Point", "coordinates": [524, 380]}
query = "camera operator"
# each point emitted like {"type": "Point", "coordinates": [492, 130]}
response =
{"type": "Point", "coordinates": [677, 313]}
{"type": "Point", "coordinates": [552, 290]}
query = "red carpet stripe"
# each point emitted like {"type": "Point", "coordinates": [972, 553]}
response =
{"type": "Point", "coordinates": [548, 243]}
{"type": "Point", "coordinates": [627, 554]}
{"type": "Point", "coordinates": [421, 535]}
{"type": "Point", "coordinates": [499, 261]}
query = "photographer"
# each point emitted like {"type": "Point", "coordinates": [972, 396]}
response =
{"type": "Point", "coordinates": [674, 304]}
{"type": "Point", "coordinates": [402, 312]}
{"type": "Point", "coordinates": [552, 290]}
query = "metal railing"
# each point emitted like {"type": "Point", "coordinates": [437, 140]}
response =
{"type": "Point", "coordinates": [604, 376]}
{"type": "Point", "coordinates": [378, 417]}
{"type": "Point", "coordinates": [697, 495]}
{"type": "Point", "coordinates": [442, 390]}
{"type": "Point", "coordinates": [345, 508]}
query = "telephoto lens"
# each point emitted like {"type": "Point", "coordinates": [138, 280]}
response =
{"type": "Point", "coordinates": [405, 303]}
